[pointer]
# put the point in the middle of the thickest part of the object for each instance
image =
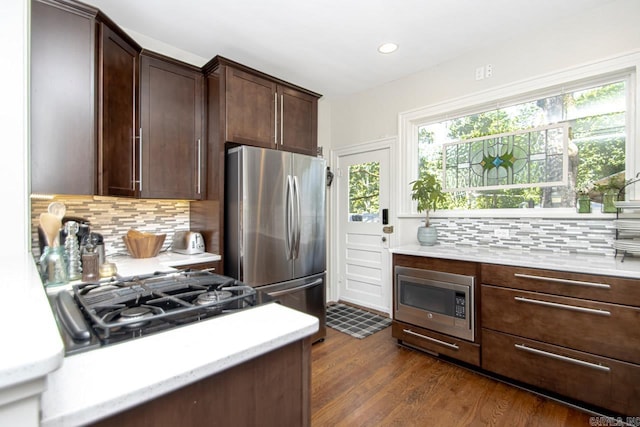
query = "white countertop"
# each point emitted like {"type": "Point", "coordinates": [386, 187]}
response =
{"type": "Point", "coordinates": [577, 263]}
{"type": "Point", "coordinates": [31, 345]}
{"type": "Point", "coordinates": [166, 261]}
{"type": "Point", "coordinates": [98, 383]}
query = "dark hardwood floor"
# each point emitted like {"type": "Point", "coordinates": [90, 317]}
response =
{"type": "Point", "coordinates": [375, 382]}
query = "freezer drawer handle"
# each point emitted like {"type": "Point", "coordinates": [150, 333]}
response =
{"type": "Point", "coordinates": [564, 281]}
{"type": "Point", "coordinates": [563, 358]}
{"type": "Point", "coordinates": [564, 306]}
{"type": "Point", "coordinates": [299, 288]}
{"type": "Point", "coordinates": [446, 344]}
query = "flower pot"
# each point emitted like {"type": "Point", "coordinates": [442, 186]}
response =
{"type": "Point", "coordinates": [609, 202]}
{"type": "Point", "coordinates": [427, 236]}
{"type": "Point", "coordinates": [583, 204]}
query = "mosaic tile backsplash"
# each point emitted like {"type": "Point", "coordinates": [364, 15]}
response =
{"type": "Point", "coordinates": [113, 217]}
{"type": "Point", "coordinates": [588, 236]}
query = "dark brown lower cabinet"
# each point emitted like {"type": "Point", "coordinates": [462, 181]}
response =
{"type": "Point", "coordinates": [571, 334]}
{"type": "Point", "coordinates": [270, 390]}
{"type": "Point", "coordinates": [596, 380]}
{"type": "Point", "coordinates": [434, 342]}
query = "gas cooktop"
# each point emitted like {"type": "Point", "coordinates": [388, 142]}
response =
{"type": "Point", "coordinates": [97, 314]}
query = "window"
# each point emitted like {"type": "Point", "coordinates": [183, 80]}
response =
{"type": "Point", "coordinates": [536, 151]}
{"type": "Point", "coordinates": [364, 192]}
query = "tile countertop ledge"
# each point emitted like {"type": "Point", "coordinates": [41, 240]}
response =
{"type": "Point", "coordinates": [35, 348]}
{"type": "Point", "coordinates": [576, 263]}
{"type": "Point", "coordinates": [95, 384]}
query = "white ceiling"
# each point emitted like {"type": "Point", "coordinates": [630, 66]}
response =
{"type": "Point", "coordinates": [329, 46]}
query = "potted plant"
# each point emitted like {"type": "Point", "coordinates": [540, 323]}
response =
{"type": "Point", "coordinates": [427, 191]}
{"type": "Point", "coordinates": [583, 199]}
{"type": "Point", "coordinates": [609, 189]}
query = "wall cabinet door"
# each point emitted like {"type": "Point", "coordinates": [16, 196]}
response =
{"type": "Point", "coordinates": [172, 145]}
{"type": "Point", "coordinates": [298, 117]}
{"type": "Point", "coordinates": [117, 136]}
{"type": "Point", "coordinates": [63, 114]}
{"type": "Point", "coordinates": [263, 113]}
{"type": "Point", "coordinates": [250, 103]}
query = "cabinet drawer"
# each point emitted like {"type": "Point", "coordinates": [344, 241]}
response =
{"type": "Point", "coordinates": [601, 288]}
{"type": "Point", "coordinates": [599, 381]}
{"type": "Point", "coordinates": [607, 329]}
{"type": "Point", "coordinates": [437, 343]}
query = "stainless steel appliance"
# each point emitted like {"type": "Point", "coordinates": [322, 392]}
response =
{"type": "Point", "coordinates": [442, 302]}
{"type": "Point", "coordinates": [92, 315]}
{"type": "Point", "coordinates": [187, 242]}
{"type": "Point", "coordinates": [275, 226]}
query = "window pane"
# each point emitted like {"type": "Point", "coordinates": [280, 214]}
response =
{"type": "Point", "coordinates": [596, 119]}
{"type": "Point", "coordinates": [364, 192]}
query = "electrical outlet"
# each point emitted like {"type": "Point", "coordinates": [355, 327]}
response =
{"type": "Point", "coordinates": [501, 232]}
{"type": "Point", "coordinates": [488, 70]}
{"type": "Point", "coordinates": [479, 73]}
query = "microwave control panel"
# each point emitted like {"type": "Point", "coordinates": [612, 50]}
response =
{"type": "Point", "coordinates": [460, 307]}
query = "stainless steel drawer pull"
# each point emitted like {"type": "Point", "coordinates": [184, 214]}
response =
{"type": "Point", "coordinates": [564, 306]}
{"type": "Point", "coordinates": [564, 281]}
{"type": "Point", "coordinates": [563, 358]}
{"type": "Point", "coordinates": [446, 344]}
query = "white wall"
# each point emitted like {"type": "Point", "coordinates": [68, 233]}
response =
{"type": "Point", "coordinates": [13, 122]}
{"type": "Point", "coordinates": [602, 32]}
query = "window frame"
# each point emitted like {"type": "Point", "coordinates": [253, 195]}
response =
{"type": "Point", "coordinates": [621, 67]}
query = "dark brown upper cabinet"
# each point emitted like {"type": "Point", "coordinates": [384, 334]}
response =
{"type": "Point", "coordinates": [263, 111]}
{"type": "Point", "coordinates": [118, 124]}
{"type": "Point", "coordinates": [63, 113]}
{"type": "Point", "coordinates": [172, 162]}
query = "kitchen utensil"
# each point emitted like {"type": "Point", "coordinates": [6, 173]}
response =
{"type": "Point", "coordinates": [58, 209]}
{"type": "Point", "coordinates": [143, 245]}
{"type": "Point", "coordinates": [51, 225]}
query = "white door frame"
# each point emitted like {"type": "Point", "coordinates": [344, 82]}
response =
{"type": "Point", "coordinates": [334, 248]}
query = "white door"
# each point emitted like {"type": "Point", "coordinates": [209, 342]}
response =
{"type": "Point", "coordinates": [363, 261]}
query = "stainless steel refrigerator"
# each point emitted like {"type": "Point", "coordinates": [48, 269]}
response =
{"type": "Point", "coordinates": [275, 233]}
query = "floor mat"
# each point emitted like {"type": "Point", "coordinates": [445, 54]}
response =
{"type": "Point", "coordinates": [354, 321]}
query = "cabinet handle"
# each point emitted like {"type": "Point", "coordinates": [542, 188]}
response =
{"type": "Point", "coordinates": [275, 118]}
{"type": "Point", "coordinates": [564, 306]}
{"type": "Point", "coordinates": [446, 344]}
{"type": "Point", "coordinates": [133, 161]}
{"type": "Point", "coordinates": [199, 163]}
{"type": "Point", "coordinates": [563, 358]}
{"type": "Point", "coordinates": [281, 119]}
{"type": "Point", "coordinates": [140, 162]}
{"type": "Point", "coordinates": [564, 281]}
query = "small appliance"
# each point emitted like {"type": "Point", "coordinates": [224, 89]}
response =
{"type": "Point", "coordinates": [187, 242]}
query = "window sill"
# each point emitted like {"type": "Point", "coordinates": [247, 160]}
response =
{"type": "Point", "coordinates": [550, 213]}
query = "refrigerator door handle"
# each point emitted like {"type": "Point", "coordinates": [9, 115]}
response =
{"type": "Point", "coordinates": [289, 218]}
{"type": "Point", "coordinates": [298, 219]}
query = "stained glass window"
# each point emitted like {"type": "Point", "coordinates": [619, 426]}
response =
{"type": "Point", "coordinates": [532, 158]}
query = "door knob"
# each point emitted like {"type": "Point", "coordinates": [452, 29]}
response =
{"type": "Point", "coordinates": [384, 239]}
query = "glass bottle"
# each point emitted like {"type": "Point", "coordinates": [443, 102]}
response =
{"type": "Point", "coordinates": [53, 266]}
{"type": "Point", "coordinates": [73, 250]}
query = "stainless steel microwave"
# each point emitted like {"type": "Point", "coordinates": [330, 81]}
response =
{"type": "Point", "coordinates": [441, 302]}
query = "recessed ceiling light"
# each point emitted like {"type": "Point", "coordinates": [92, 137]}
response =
{"type": "Point", "coordinates": [387, 48]}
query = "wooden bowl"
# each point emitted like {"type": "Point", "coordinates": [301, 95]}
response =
{"type": "Point", "coordinates": [144, 245]}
